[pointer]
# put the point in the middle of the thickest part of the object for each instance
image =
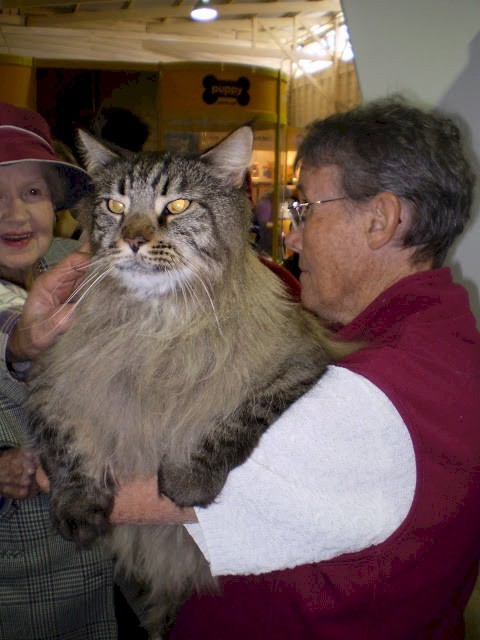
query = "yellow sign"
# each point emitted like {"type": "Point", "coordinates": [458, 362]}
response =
{"type": "Point", "coordinates": [217, 93]}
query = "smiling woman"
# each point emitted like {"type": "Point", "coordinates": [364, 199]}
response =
{"type": "Point", "coordinates": [47, 587]}
{"type": "Point", "coordinates": [26, 220]}
{"type": "Point", "coordinates": [34, 183]}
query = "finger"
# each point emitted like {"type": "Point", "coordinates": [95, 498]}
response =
{"type": "Point", "coordinates": [85, 249]}
{"type": "Point", "coordinates": [14, 491]}
{"type": "Point", "coordinates": [42, 480]}
{"type": "Point", "coordinates": [30, 461]}
{"type": "Point", "coordinates": [33, 489]}
{"type": "Point", "coordinates": [58, 323]}
{"type": "Point", "coordinates": [15, 476]}
{"type": "Point", "coordinates": [64, 277]}
{"type": "Point", "coordinates": [18, 462]}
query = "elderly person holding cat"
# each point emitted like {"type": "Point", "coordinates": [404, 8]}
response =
{"type": "Point", "coordinates": [48, 587]}
{"type": "Point", "coordinates": [383, 543]}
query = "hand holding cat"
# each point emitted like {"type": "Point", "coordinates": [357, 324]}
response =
{"type": "Point", "coordinates": [47, 313]}
{"type": "Point", "coordinates": [138, 503]}
{"type": "Point", "coordinates": [17, 473]}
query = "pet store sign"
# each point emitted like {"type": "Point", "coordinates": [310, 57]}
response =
{"type": "Point", "coordinates": [218, 91]}
{"type": "Point", "coordinates": [223, 94]}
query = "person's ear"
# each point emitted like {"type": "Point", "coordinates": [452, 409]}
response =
{"type": "Point", "coordinates": [383, 219]}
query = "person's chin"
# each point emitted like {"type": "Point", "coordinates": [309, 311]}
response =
{"type": "Point", "coordinates": [19, 264]}
{"type": "Point", "coordinates": [24, 259]}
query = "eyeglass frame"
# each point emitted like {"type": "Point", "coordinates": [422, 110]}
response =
{"type": "Point", "coordinates": [299, 218]}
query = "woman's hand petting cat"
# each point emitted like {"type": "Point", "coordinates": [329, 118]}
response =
{"type": "Point", "coordinates": [17, 473]}
{"type": "Point", "coordinates": [46, 313]}
{"type": "Point", "coordinates": [138, 502]}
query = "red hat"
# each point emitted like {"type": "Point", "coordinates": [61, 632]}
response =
{"type": "Point", "coordinates": [25, 135]}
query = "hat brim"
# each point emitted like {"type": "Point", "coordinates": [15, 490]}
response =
{"type": "Point", "coordinates": [76, 182]}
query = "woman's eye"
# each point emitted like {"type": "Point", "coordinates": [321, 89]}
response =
{"type": "Point", "coordinates": [38, 191]}
{"type": "Point", "coordinates": [178, 206]}
{"type": "Point", "coordinates": [115, 206]}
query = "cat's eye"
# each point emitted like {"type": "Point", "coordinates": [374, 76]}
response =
{"type": "Point", "coordinates": [178, 206]}
{"type": "Point", "coordinates": [115, 206]}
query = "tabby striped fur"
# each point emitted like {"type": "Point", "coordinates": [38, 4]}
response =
{"type": "Point", "coordinates": [182, 353]}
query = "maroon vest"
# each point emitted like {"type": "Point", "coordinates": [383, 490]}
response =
{"type": "Point", "coordinates": [424, 353]}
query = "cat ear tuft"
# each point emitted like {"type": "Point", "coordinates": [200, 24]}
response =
{"type": "Point", "coordinates": [232, 155]}
{"type": "Point", "coordinates": [95, 154]}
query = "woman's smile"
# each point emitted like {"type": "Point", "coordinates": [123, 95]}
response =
{"type": "Point", "coordinates": [16, 240]}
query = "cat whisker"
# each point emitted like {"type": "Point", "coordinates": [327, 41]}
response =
{"type": "Point", "coordinates": [67, 270]}
{"type": "Point", "coordinates": [67, 301]}
{"type": "Point", "coordinates": [81, 286]}
{"type": "Point", "coordinates": [81, 267]}
{"type": "Point", "coordinates": [70, 269]}
{"type": "Point", "coordinates": [205, 287]}
{"type": "Point", "coordinates": [211, 302]}
{"type": "Point", "coordinates": [185, 286]}
{"type": "Point", "coordinates": [91, 281]}
{"type": "Point", "coordinates": [174, 289]}
{"type": "Point", "coordinates": [195, 272]}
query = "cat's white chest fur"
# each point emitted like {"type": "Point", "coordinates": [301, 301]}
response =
{"type": "Point", "coordinates": [145, 284]}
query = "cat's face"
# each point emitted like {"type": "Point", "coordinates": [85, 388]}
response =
{"type": "Point", "coordinates": [163, 221]}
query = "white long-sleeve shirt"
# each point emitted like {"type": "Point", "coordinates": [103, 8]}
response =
{"type": "Point", "coordinates": [334, 474]}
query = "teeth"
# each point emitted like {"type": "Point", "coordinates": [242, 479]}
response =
{"type": "Point", "coordinates": [27, 235]}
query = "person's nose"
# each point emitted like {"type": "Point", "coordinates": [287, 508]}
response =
{"type": "Point", "coordinates": [14, 209]}
{"type": "Point", "coordinates": [293, 240]}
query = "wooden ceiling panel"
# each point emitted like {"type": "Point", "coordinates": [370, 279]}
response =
{"type": "Point", "coordinates": [264, 33]}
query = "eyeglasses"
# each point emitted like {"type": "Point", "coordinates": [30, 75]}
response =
{"type": "Point", "coordinates": [298, 210]}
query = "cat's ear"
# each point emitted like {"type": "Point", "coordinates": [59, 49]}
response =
{"type": "Point", "coordinates": [232, 155]}
{"type": "Point", "coordinates": [95, 154]}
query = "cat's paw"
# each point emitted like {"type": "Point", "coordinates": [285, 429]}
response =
{"type": "Point", "coordinates": [82, 518]}
{"type": "Point", "coordinates": [187, 488]}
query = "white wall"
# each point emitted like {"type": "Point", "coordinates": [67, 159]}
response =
{"type": "Point", "coordinates": [428, 50]}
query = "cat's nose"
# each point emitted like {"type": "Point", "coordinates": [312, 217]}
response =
{"type": "Point", "coordinates": [135, 243]}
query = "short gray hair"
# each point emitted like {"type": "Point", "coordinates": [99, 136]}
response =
{"type": "Point", "coordinates": [390, 145]}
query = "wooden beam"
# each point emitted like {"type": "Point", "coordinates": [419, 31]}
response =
{"type": "Point", "coordinates": [78, 47]}
{"type": "Point", "coordinates": [162, 46]}
{"type": "Point", "coordinates": [282, 7]}
{"type": "Point", "coordinates": [132, 13]}
{"type": "Point", "coordinates": [182, 26]}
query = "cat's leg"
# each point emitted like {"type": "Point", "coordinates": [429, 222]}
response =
{"type": "Point", "coordinates": [230, 443]}
{"type": "Point", "coordinates": [227, 446]}
{"type": "Point", "coordinates": [80, 504]}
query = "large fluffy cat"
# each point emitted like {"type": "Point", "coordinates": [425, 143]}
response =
{"type": "Point", "coordinates": [182, 353]}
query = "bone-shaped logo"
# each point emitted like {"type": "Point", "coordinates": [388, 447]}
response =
{"type": "Point", "coordinates": [231, 89]}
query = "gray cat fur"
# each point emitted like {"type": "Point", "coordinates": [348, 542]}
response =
{"type": "Point", "coordinates": [179, 358]}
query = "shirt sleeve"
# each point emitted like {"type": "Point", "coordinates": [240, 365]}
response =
{"type": "Point", "coordinates": [334, 474]}
{"type": "Point", "coordinates": [13, 392]}
{"type": "Point", "coordinates": [14, 430]}
{"type": "Point", "coordinates": [8, 320]}
{"type": "Point", "coordinates": [11, 296]}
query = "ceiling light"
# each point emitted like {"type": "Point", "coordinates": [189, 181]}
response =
{"type": "Point", "coordinates": [203, 11]}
